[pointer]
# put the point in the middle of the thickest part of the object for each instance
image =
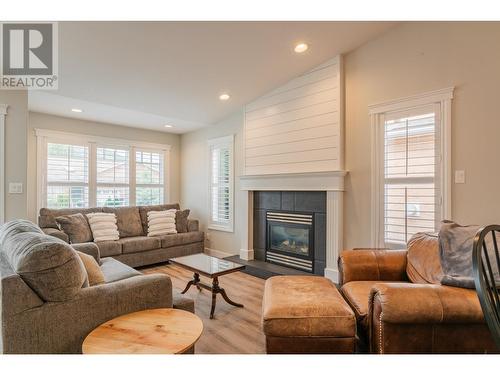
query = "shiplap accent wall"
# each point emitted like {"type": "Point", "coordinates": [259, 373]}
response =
{"type": "Point", "coordinates": [298, 127]}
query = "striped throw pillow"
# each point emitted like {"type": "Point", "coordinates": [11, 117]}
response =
{"type": "Point", "coordinates": [161, 222]}
{"type": "Point", "coordinates": [103, 226]}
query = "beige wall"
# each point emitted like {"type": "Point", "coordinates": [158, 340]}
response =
{"type": "Point", "coordinates": [44, 121]}
{"type": "Point", "coordinates": [194, 180]}
{"type": "Point", "coordinates": [15, 150]}
{"type": "Point", "coordinates": [415, 58]}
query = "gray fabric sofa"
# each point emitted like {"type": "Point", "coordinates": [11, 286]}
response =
{"type": "Point", "coordinates": [46, 303]}
{"type": "Point", "coordinates": [133, 248]}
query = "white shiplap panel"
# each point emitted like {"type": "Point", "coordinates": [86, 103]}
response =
{"type": "Point", "coordinates": [323, 131]}
{"type": "Point", "coordinates": [293, 157]}
{"type": "Point", "coordinates": [297, 114]}
{"type": "Point", "coordinates": [314, 166]}
{"type": "Point", "coordinates": [287, 127]}
{"type": "Point", "coordinates": [301, 145]}
{"type": "Point", "coordinates": [299, 92]}
{"type": "Point", "coordinates": [330, 71]}
{"type": "Point", "coordinates": [304, 101]}
{"type": "Point", "coordinates": [297, 127]}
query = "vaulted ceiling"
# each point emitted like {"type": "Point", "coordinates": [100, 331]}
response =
{"type": "Point", "coordinates": [151, 74]}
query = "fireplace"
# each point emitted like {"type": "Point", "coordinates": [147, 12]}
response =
{"type": "Point", "coordinates": [290, 239]}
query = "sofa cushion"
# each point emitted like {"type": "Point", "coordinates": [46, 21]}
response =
{"type": "Point", "coordinates": [143, 211]}
{"type": "Point", "coordinates": [47, 264]}
{"type": "Point", "coordinates": [128, 220]}
{"type": "Point", "coordinates": [114, 270]}
{"type": "Point", "coordinates": [170, 240]}
{"type": "Point", "coordinates": [305, 306]}
{"type": "Point", "coordinates": [181, 221]}
{"type": "Point", "coordinates": [423, 262]}
{"type": "Point", "coordinates": [109, 248]}
{"type": "Point", "coordinates": [76, 227]}
{"type": "Point", "coordinates": [138, 244]}
{"type": "Point", "coordinates": [94, 273]}
{"type": "Point", "coordinates": [47, 217]}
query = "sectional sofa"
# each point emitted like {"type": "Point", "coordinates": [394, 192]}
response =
{"type": "Point", "coordinates": [134, 247]}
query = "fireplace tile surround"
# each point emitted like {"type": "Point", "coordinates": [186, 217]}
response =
{"type": "Point", "coordinates": [313, 202]}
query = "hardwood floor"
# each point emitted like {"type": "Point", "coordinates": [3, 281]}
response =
{"type": "Point", "coordinates": [233, 330]}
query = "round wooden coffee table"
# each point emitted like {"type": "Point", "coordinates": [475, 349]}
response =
{"type": "Point", "coordinates": [158, 331]}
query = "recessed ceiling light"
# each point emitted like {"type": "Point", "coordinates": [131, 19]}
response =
{"type": "Point", "coordinates": [224, 97]}
{"type": "Point", "coordinates": [301, 47]}
{"type": "Point", "coordinates": [77, 110]}
{"type": "Point", "coordinates": [168, 126]}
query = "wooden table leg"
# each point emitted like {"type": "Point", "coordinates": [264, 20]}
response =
{"type": "Point", "coordinates": [195, 281]}
{"type": "Point", "coordinates": [215, 290]}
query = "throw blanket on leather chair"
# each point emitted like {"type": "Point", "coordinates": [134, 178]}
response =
{"type": "Point", "coordinates": [455, 250]}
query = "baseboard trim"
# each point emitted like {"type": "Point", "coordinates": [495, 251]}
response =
{"type": "Point", "coordinates": [247, 254]}
{"type": "Point", "coordinates": [332, 274]}
{"type": "Point", "coordinates": [217, 253]}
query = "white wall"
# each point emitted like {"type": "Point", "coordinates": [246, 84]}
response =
{"type": "Point", "coordinates": [414, 58]}
{"type": "Point", "coordinates": [15, 150]}
{"type": "Point", "coordinates": [194, 180]}
{"type": "Point", "coordinates": [45, 121]}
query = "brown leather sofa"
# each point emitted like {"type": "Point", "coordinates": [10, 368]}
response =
{"type": "Point", "coordinates": [401, 307]}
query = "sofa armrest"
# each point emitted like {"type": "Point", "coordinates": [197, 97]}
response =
{"type": "Point", "coordinates": [372, 264]}
{"type": "Point", "coordinates": [56, 233]}
{"type": "Point", "coordinates": [183, 303]}
{"type": "Point", "coordinates": [193, 225]}
{"type": "Point", "coordinates": [89, 248]}
{"type": "Point", "coordinates": [434, 316]}
{"type": "Point", "coordinates": [61, 327]}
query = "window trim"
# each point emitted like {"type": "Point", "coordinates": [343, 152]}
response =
{"type": "Point", "coordinates": [377, 113]}
{"type": "Point", "coordinates": [222, 141]}
{"type": "Point", "coordinates": [45, 136]}
{"type": "Point", "coordinates": [3, 115]}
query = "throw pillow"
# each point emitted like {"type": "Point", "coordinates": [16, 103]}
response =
{"type": "Point", "coordinates": [76, 227]}
{"type": "Point", "coordinates": [424, 265]}
{"type": "Point", "coordinates": [103, 226]}
{"type": "Point", "coordinates": [94, 272]}
{"type": "Point", "coordinates": [181, 221]}
{"type": "Point", "coordinates": [161, 222]}
{"type": "Point", "coordinates": [456, 244]}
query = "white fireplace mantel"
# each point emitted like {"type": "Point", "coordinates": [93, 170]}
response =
{"type": "Point", "coordinates": [331, 182]}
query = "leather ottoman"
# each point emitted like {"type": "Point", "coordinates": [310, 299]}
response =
{"type": "Point", "coordinates": [306, 314]}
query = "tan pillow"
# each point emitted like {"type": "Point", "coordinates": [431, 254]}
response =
{"type": "Point", "coordinates": [424, 264]}
{"type": "Point", "coordinates": [103, 226]}
{"type": "Point", "coordinates": [94, 272]}
{"type": "Point", "coordinates": [76, 227]}
{"type": "Point", "coordinates": [181, 221]}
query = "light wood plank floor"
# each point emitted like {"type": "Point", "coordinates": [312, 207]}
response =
{"type": "Point", "coordinates": [233, 330]}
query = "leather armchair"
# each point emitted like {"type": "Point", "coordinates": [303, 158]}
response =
{"type": "Point", "coordinates": [397, 316]}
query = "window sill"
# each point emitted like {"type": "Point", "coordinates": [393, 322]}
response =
{"type": "Point", "coordinates": [221, 228]}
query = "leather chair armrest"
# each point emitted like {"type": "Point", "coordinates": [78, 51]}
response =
{"type": "Point", "coordinates": [407, 303]}
{"type": "Point", "coordinates": [372, 264]}
{"type": "Point", "coordinates": [88, 248]}
{"type": "Point", "coordinates": [56, 233]}
{"type": "Point", "coordinates": [193, 225]}
{"type": "Point", "coordinates": [426, 318]}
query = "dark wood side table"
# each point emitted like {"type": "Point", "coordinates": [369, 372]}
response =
{"type": "Point", "coordinates": [212, 267]}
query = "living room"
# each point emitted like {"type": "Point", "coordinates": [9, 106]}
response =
{"type": "Point", "coordinates": [249, 187]}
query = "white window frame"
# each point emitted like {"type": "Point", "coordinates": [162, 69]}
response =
{"type": "Point", "coordinates": [3, 114]}
{"type": "Point", "coordinates": [134, 185]}
{"type": "Point", "coordinates": [221, 141]}
{"type": "Point", "coordinates": [45, 136]}
{"type": "Point", "coordinates": [442, 100]}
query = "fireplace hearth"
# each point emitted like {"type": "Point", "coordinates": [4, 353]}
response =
{"type": "Point", "coordinates": [290, 239]}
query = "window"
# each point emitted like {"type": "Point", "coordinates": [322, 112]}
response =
{"type": "Point", "coordinates": [149, 177]}
{"type": "Point", "coordinates": [411, 168]}
{"type": "Point", "coordinates": [221, 183]}
{"type": "Point", "coordinates": [67, 175]}
{"type": "Point", "coordinates": [112, 177]}
{"type": "Point", "coordinates": [84, 171]}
